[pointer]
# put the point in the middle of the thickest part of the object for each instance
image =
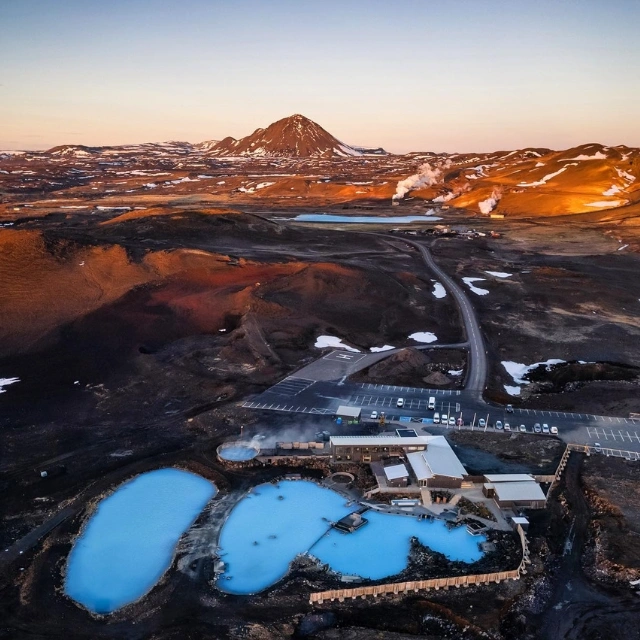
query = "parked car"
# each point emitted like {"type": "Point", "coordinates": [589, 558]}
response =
{"type": "Point", "coordinates": [537, 428]}
{"type": "Point", "coordinates": [452, 421]}
{"type": "Point", "coordinates": [598, 447]}
{"type": "Point", "coordinates": [509, 408]}
{"type": "Point", "coordinates": [436, 418]}
{"type": "Point", "coordinates": [444, 418]}
{"type": "Point", "coordinates": [400, 402]}
{"type": "Point", "coordinates": [545, 428]}
{"type": "Point", "coordinates": [374, 415]}
{"type": "Point", "coordinates": [498, 424]}
{"type": "Point", "coordinates": [482, 423]}
{"type": "Point", "coordinates": [432, 403]}
{"type": "Point", "coordinates": [507, 426]}
{"type": "Point", "coordinates": [554, 431]}
{"type": "Point", "coordinates": [460, 422]}
{"type": "Point", "coordinates": [523, 428]}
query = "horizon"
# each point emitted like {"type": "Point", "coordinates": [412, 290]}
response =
{"type": "Point", "coordinates": [449, 77]}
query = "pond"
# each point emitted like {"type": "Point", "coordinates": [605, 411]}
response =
{"type": "Point", "coordinates": [325, 217]}
{"type": "Point", "coordinates": [275, 523]}
{"type": "Point", "coordinates": [130, 539]}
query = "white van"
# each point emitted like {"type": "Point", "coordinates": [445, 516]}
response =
{"type": "Point", "coordinates": [432, 403]}
{"type": "Point", "coordinates": [436, 418]}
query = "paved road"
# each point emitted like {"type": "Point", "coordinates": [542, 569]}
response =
{"type": "Point", "coordinates": [477, 365]}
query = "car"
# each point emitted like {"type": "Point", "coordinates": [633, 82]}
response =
{"type": "Point", "coordinates": [507, 426]}
{"type": "Point", "coordinates": [523, 428]}
{"type": "Point", "coordinates": [259, 436]}
{"type": "Point", "coordinates": [374, 415]}
{"type": "Point", "coordinates": [436, 418]}
{"type": "Point", "coordinates": [554, 431]}
{"type": "Point", "coordinates": [498, 425]}
{"type": "Point", "coordinates": [452, 421]}
{"type": "Point", "coordinates": [598, 447]}
{"type": "Point", "coordinates": [432, 403]}
{"type": "Point", "coordinates": [444, 418]}
{"type": "Point", "coordinates": [545, 428]}
{"type": "Point", "coordinates": [537, 428]}
{"type": "Point", "coordinates": [460, 422]}
{"type": "Point", "coordinates": [509, 408]}
{"type": "Point", "coordinates": [400, 402]}
{"type": "Point", "coordinates": [482, 423]}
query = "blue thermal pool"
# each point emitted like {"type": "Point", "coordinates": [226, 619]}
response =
{"type": "Point", "coordinates": [238, 453]}
{"type": "Point", "coordinates": [130, 539]}
{"type": "Point", "coordinates": [322, 217]}
{"type": "Point", "coordinates": [273, 524]}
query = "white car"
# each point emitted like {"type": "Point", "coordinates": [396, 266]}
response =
{"type": "Point", "coordinates": [545, 428]}
{"type": "Point", "coordinates": [498, 424]}
{"type": "Point", "coordinates": [523, 428]}
{"type": "Point", "coordinates": [400, 402]}
{"type": "Point", "coordinates": [507, 426]}
{"type": "Point", "coordinates": [598, 447]}
{"type": "Point", "coordinates": [436, 418]}
{"type": "Point", "coordinates": [452, 421]}
{"type": "Point", "coordinates": [482, 423]}
{"type": "Point", "coordinates": [444, 418]}
{"type": "Point", "coordinates": [374, 415]}
{"type": "Point", "coordinates": [554, 431]}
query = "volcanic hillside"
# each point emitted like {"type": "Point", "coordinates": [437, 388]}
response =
{"type": "Point", "coordinates": [295, 136]}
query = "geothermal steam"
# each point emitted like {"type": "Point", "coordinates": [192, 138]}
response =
{"type": "Point", "coordinates": [426, 176]}
{"type": "Point", "coordinates": [488, 205]}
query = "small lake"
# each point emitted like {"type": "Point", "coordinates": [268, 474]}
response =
{"type": "Point", "coordinates": [129, 542]}
{"type": "Point", "coordinates": [322, 217]}
{"type": "Point", "coordinates": [273, 524]}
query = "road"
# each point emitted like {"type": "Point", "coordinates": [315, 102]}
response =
{"type": "Point", "coordinates": [477, 365]}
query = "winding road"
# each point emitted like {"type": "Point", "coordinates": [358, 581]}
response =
{"type": "Point", "coordinates": [477, 366]}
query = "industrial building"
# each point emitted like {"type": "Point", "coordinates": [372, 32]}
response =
{"type": "Point", "coordinates": [514, 490]}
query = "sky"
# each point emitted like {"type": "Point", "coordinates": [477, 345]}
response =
{"type": "Point", "coordinates": [414, 75]}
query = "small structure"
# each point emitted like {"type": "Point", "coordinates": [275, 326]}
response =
{"type": "Point", "coordinates": [350, 413]}
{"type": "Point", "coordinates": [520, 520]}
{"type": "Point", "coordinates": [396, 475]}
{"type": "Point", "coordinates": [513, 490]}
{"type": "Point", "coordinates": [351, 523]}
{"type": "Point", "coordinates": [406, 433]}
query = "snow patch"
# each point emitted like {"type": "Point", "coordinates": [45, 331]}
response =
{"type": "Point", "coordinates": [543, 180]}
{"type": "Point", "coordinates": [423, 336]}
{"type": "Point", "coordinates": [455, 372]}
{"type": "Point", "coordinates": [438, 290]}
{"type": "Point", "coordinates": [518, 371]}
{"type": "Point", "coordinates": [323, 342]}
{"type": "Point", "coordinates": [5, 382]}
{"type": "Point", "coordinates": [499, 274]}
{"type": "Point", "coordinates": [598, 155]}
{"type": "Point", "coordinates": [469, 282]}
{"type": "Point", "coordinates": [606, 203]}
{"type": "Point", "coordinates": [386, 347]}
{"type": "Point", "coordinates": [512, 391]}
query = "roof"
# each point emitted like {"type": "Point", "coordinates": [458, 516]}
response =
{"type": "Point", "coordinates": [519, 520]}
{"type": "Point", "coordinates": [395, 472]}
{"type": "Point", "coordinates": [379, 441]}
{"type": "Point", "coordinates": [406, 433]}
{"type": "Point", "coordinates": [508, 477]}
{"type": "Point", "coordinates": [349, 412]}
{"type": "Point", "coordinates": [437, 460]}
{"type": "Point", "coordinates": [519, 491]}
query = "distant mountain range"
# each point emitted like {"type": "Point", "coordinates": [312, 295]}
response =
{"type": "Point", "coordinates": [292, 137]}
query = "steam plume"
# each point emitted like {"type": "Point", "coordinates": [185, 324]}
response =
{"type": "Point", "coordinates": [426, 176]}
{"type": "Point", "coordinates": [488, 205]}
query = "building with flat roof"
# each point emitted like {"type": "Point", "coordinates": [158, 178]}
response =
{"type": "Point", "coordinates": [512, 493]}
{"type": "Point", "coordinates": [350, 413]}
{"type": "Point", "coordinates": [370, 448]}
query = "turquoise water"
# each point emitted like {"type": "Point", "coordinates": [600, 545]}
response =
{"type": "Point", "coordinates": [130, 539]}
{"type": "Point", "coordinates": [381, 548]}
{"type": "Point", "coordinates": [272, 525]}
{"type": "Point", "coordinates": [238, 453]}
{"type": "Point", "coordinates": [269, 527]}
{"type": "Point", "coordinates": [322, 217]}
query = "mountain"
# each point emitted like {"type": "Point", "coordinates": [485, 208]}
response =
{"type": "Point", "coordinates": [295, 136]}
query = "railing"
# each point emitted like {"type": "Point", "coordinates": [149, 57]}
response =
{"type": "Point", "coordinates": [433, 583]}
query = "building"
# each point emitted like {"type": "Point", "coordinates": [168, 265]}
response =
{"type": "Point", "coordinates": [369, 448]}
{"type": "Point", "coordinates": [396, 475]}
{"type": "Point", "coordinates": [437, 465]}
{"type": "Point", "coordinates": [349, 413]}
{"type": "Point", "coordinates": [514, 490]}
